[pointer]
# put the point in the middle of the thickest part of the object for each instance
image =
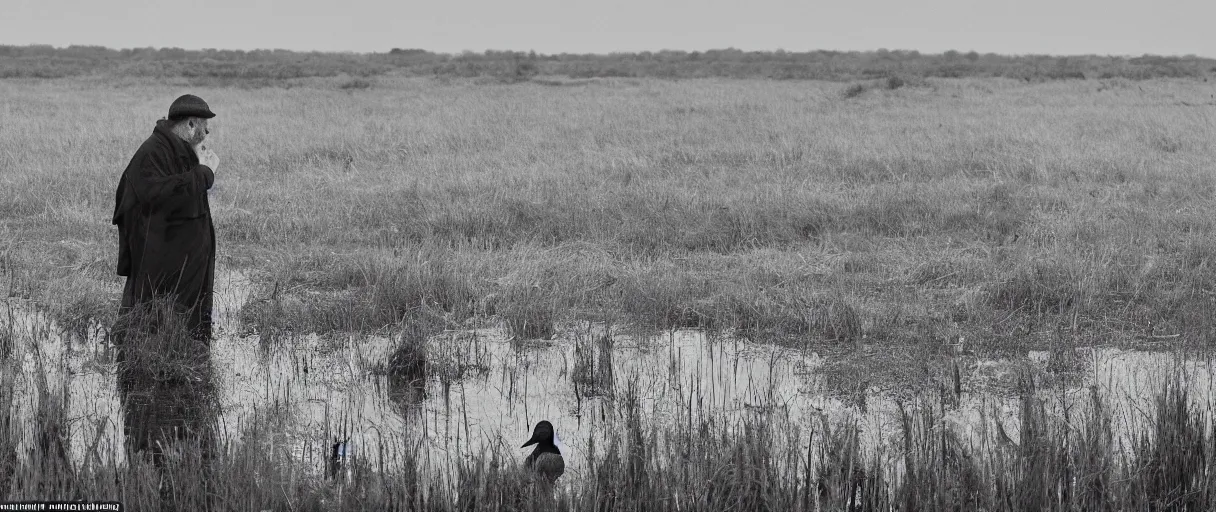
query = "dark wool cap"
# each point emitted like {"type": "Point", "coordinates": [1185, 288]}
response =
{"type": "Point", "coordinates": [189, 105]}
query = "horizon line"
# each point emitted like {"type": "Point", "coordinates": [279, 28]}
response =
{"type": "Point", "coordinates": [609, 53]}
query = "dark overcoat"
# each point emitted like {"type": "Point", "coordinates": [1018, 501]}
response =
{"type": "Point", "coordinates": [166, 238]}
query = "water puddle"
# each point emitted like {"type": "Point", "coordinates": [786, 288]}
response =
{"type": "Point", "coordinates": [484, 390]}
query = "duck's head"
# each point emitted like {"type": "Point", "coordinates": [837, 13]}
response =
{"type": "Point", "coordinates": [542, 434]}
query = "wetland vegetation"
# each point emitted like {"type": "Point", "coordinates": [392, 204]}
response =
{"type": "Point", "coordinates": [954, 293]}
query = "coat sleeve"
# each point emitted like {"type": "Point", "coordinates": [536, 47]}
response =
{"type": "Point", "coordinates": [156, 184]}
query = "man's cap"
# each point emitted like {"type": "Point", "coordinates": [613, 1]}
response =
{"type": "Point", "coordinates": [189, 105]}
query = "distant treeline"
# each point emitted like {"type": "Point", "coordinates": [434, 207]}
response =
{"type": "Point", "coordinates": [44, 61]}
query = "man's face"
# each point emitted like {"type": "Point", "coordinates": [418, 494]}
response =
{"type": "Point", "coordinates": [198, 131]}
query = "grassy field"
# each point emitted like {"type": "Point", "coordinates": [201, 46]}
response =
{"type": "Point", "coordinates": [989, 216]}
{"type": "Point", "coordinates": [1006, 213]}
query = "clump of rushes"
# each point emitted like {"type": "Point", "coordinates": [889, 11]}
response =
{"type": "Point", "coordinates": [408, 366]}
{"type": "Point", "coordinates": [592, 374]}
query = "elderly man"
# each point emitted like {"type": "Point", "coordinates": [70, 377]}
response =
{"type": "Point", "coordinates": [167, 253]}
{"type": "Point", "coordinates": [166, 240]}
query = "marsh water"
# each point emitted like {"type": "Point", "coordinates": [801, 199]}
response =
{"type": "Point", "coordinates": [485, 390]}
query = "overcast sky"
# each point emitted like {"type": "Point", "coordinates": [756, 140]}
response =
{"type": "Point", "coordinates": [1105, 27]}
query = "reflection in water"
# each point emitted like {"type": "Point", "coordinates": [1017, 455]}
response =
{"type": "Point", "coordinates": [406, 393]}
{"type": "Point", "coordinates": [165, 382]}
{"type": "Point", "coordinates": [484, 391]}
{"type": "Point", "coordinates": [1128, 379]}
{"type": "Point", "coordinates": [160, 410]}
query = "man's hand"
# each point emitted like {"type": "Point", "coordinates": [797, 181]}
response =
{"type": "Point", "coordinates": [207, 157]}
{"type": "Point", "coordinates": [213, 160]}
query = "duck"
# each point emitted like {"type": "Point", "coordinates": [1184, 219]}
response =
{"type": "Point", "coordinates": [546, 460]}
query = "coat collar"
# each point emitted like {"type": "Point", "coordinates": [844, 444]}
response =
{"type": "Point", "coordinates": [179, 146]}
{"type": "Point", "coordinates": [124, 200]}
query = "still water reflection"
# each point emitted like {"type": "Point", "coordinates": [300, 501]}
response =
{"type": "Point", "coordinates": [484, 390]}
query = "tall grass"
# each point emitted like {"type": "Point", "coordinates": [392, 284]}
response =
{"type": "Point", "coordinates": [761, 207]}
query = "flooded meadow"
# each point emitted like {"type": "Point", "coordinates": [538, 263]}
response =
{"type": "Point", "coordinates": [725, 294]}
{"type": "Point", "coordinates": [481, 391]}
